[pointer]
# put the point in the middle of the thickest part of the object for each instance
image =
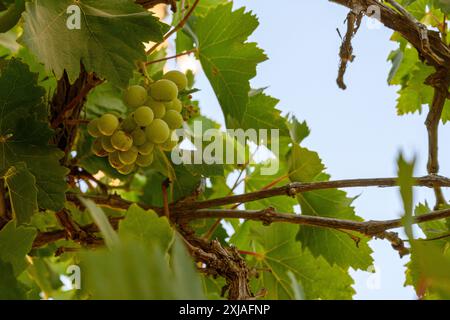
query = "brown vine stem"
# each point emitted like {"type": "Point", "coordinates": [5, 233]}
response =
{"type": "Point", "coordinates": [427, 42]}
{"type": "Point", "coordinates": [346, 51]}
{"type": "Point", "coordinates": [440, 81]}
{"type": "Point", "coordinates": [92, 82]}
{"type": "Point", "coordinates": [116, 202]}
{"type": "Point", "coordinates": [176, 28]}
{"type": "Point", "coordinates": [268, 216]}
{"type": "Point", "coordinates": [292, 189]}
{"type": "Point", "coordinates": [171, 57]}
{"type": "Point", "coordinates": [433, 49]}
{"type": "Point", "coordinates": [113, 201]}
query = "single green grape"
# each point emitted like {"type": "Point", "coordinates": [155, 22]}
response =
{"type": "Point", "coordinates": [121, 141]}
{"type": "Point", "coordinates": [158, 131]}
{"type": "Point", "coordinates": [92, 128]}
{"type": "Point", "coordinates": [139, 137]}
{"type": "Point", "coordinates": [114, 160]}
{"type": "Point", "coordinates": [128, 124]}
{"type": "Point", "coordinates": [135, 96]}
{"type": "Point", "coordinates": [128, 157]}
{"type": "Point", "coordinates": [146, 148]}
{"type": "Point", "coordinates": [126, 169]}
{"type": "Point", "coordinates": [175, 104]}
{"type": "Point", "coordinates": [173, 119]}
{"type": "Point", "coordinates": [144, 160]}
{"type": "Point", "coordinates": [143, 116]}
{"type": "Point", "coordinates": [158, 108]}
{"type": "Point", "coordinates": [97, 148]}
{"type": "Point", "coordinates": [106, 144]}
{"type": "Point", "coordinates": [107, 124]}
{"type": "Point", "coordinates": [164, 90]}
{"type": "Point", "coordinates": [177, 77]}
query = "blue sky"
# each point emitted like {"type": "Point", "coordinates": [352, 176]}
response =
{"type": "Point", "coordinates": [356, 132]}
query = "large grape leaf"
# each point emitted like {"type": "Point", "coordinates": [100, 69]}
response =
{"type": "Point", "coordinates": [10, 288]}
{"type": "Point", "coordinates": [184, 40]}
{"type": "Point", "coordinates": [337, 247]}
{"type": "Point", "coordinates": [428, 269]}
{"type": "Point", "coordinates": [146, 227]}
{"type": "Point", "coordinates": [228, 60]}
{"type": "Point", "coordinates": [261, 114]}
{"type": "Point", "coordinates": [278, 253]}
{"type": "Point", "coordinates": [22, 192]}
{"type": "Point", "coordinates": [109, 41]}
{"type": "Point", "coordinates": [25, 138]}
{"type": "Point", "coordinates": [15, 243]}
{"type": "Point", "coordinates": [132, 271]}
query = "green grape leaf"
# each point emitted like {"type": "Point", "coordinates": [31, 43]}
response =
{"type": "Point", "coordinates": [403, 63]}
{"type": "Point", "coordinates": [203, 226]}
{"type": "Point", "coordinates": [186, 184]}
{"type": "Point", "coordinates": [406, 183]}
{"type": "Point", "coordinates": [185, 39]}
{"type": "Point", "coordinates": [22, 192]}
{"type": "Point", "coordinates": [108, 42]}
{"type": "Point", "coordinates": [204, 6]}
{"type": "Point", "coordinates": [446, 112]}
{"type": "Point", "coordinates": [15, 243]}
{"type": "Point", "coordinates": [105, 98]}
{"type": "Point", "coordinates": [10, 288]}
{"type": "Point", "coordinates": [45, 277]}
{"type": "Point", "coordinates": [262, 114]}
{"type": "Point", "coordinates": [46, 79]}
{"type": "Point", "coordinates": [152, 191]}
{"type": "Point", "coordinates": [444, 5]}
{"type": "Point", "coordinates": [278, 254]}
{"type": "Point", "coordinates": [25, 138]}
{"type": "Point", "coordinates": [418, 8]}
{"type": "Point", "coordinates": [11, 16]}
{"type": "Point", "coordinates": [428, 269]}
{"type": "Point", "coordinates": [337, 247]}
{"type": "Point", "coordinates": [132, 271]}
{"type": "Point", "coordinates": [213, 287]}
{"type": "Point", "coordinates": [410, 73]}
{"type": "Point", "coordinates": [415, 93]}
{"type": "Point", "coordinates": [228, 61]}
{"type": "Point", "coordinates": [206, 170]}
{"type": "Point", "coordinates": [146, 227]}
{"type": "Point", "coordinates": [8, 43]}
{"type": "Point", "coordinates": [101, 220]}
{"type": "Point", "coordinates": [434, 228]}
{"type": "Point", "coordinates": [298, 130]}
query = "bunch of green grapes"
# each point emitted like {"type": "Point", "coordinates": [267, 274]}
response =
{"type": "Point", "coordinates": [154, 115]}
